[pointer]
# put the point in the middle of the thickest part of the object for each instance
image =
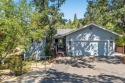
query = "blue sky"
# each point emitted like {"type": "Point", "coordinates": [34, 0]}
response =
{"type": "Point", "coordinates": [70, 7]}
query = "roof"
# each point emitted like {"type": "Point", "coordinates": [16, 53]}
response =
{"type": "Point", "coordinates": [61, 32]}
{"type": "Point", "coordinates": [65, 32]}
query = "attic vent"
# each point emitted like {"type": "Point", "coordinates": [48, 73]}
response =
{"type": "Point", "coordinates": [90, 28]}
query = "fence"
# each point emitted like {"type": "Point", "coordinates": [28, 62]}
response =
{"type": "Point", "coordinates": [17, 66]}
{"type": "Point", "coordinates": [120, 49]}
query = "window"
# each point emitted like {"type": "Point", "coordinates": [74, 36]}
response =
{"type": "Point", "coordinates": [69, 43]}
{"type": "Point", "coordinates": [111, 45]}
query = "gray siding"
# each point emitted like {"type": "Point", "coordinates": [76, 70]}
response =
{"type": "Point", "coordinates": [37, 49]}
{"type": "Point", "coordinates": [91, 42]}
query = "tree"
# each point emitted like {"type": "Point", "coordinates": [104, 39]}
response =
{"type": "Point", "coordinates": [50, 16]}
{"type": "Point", "coordinates": [69, 24]}
{"type": "Point", "coordinates": [75, 22]}
{"type": "Point", "coordinates": [15, 25]}
{"type": "Point", "coordinates": [9, 26]}
{"type": "Point", "coordinates": [108, 13]}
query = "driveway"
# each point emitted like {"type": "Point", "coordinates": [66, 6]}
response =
{"type": "Point", "coordinates": [78, 70]}
{"type": "Point", "coordinates": [87, 70]}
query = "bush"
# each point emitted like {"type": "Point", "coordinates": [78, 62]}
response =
{"type": "Point", "coordinates": [16, 64]}
{"type": "Point", "coordinates": [4, 66]}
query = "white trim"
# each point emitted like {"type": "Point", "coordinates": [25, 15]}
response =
{"type": "Point", "coordinates": [108, 49]}
{"type": "Point", "coordinates": [93, 25]}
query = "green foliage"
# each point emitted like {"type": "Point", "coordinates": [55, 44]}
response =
{"type": "Point", "coordinates": [69, 24]}
{"type": "Point", "coordinates": [108, 13]}
{"type": "Point", "coordinates": [25, 22]}
{"type": "Point", "coordinates": [14, 24]}
{"type": "Point", "coordinates": [4, 66]}
{"type": "Point", "coordinates": [16, 64]}
{"type": "Point", "coordinates": [50, 18]}
{"type": "Point", "coordinates": [120, 41]}
{"type": "Point", "coordinates": [74, 24]}
{"type": "Point", "coordinates": [49, 44]}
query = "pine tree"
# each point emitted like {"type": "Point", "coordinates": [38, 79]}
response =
{"type": "Point", "coordinates": [69, 24]}
{"type": "Point", "coordinates": [50, 16]}
{"type": "Point", "coordinates": [75, 22]}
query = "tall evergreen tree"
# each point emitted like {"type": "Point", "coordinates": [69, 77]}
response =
{"type": "Point", "coordinates": [75, 22]}
{"type": "Point", "coordinates": [50, 16]}
{"type": "Point", "coordinates": [69, 24]}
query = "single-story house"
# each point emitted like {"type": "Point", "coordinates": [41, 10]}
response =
{"type": "Point", "coordinates": [91, 39]}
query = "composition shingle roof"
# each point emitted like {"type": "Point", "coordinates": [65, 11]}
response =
{"type": "Point", "coordinates": [64, 31]}
{"type": "Point", "coordinates": [61, 32]}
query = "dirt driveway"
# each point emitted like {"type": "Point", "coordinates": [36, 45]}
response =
{"type": "Point", "coordinates": [87, 70]}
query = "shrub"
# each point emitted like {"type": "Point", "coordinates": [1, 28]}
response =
{"type": "Point", "coordinates": [4, 66]}
{"type": "Point", "coordinates": [16, 64]}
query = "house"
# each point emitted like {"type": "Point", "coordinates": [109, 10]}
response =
{"type": "Point", "coordinates": [36, 49]}
{"type": "Point", "coordinates": [91, 39]}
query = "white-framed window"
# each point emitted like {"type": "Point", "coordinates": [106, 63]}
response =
{"type": "Point", "coordinates": [111, 45]}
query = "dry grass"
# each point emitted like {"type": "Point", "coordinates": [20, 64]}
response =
{"type": "Point", "coordinates": [27, 67]}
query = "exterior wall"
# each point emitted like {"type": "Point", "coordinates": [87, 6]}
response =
{"type": "Point", "coordinates": [89, 41]}
{"type": "Point", "coordinates": [37, 49]}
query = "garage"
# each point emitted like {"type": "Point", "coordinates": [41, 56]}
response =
{"type": "Point", "coordinates": [94, 48]}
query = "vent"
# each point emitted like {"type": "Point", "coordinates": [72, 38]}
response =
{"type": "Point", "coordinates": [90, 28]}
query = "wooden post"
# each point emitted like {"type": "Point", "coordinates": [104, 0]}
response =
{"type": "Point", "coordinates": [123, 49]}
{"type": "Point", "coordinates": [45, 63]}
{"type": "Point", "coordinates": [21, 64]}
{"type": "Point", "coordinates": [36, 63]}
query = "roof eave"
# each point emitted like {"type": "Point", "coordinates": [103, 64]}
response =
{"type": "Point", "coordinates": [119, 35]}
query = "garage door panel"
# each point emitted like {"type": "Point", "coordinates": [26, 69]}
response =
{"type": "Point", "coordinates": [89, 48]}
{"type": "Point", "coordinates": [102, 46]}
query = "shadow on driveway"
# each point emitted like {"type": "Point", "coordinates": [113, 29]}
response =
{"type": "Point", "coordinates": [54, 76]}
{"type": "Point", "coordinates": [84, 62]}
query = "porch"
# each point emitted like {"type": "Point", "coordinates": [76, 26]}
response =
{"type": "Point", "coordinates": [60, 46]}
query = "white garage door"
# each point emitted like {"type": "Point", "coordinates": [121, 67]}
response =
{"type": "Point", "coordinates": [89, 48]}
